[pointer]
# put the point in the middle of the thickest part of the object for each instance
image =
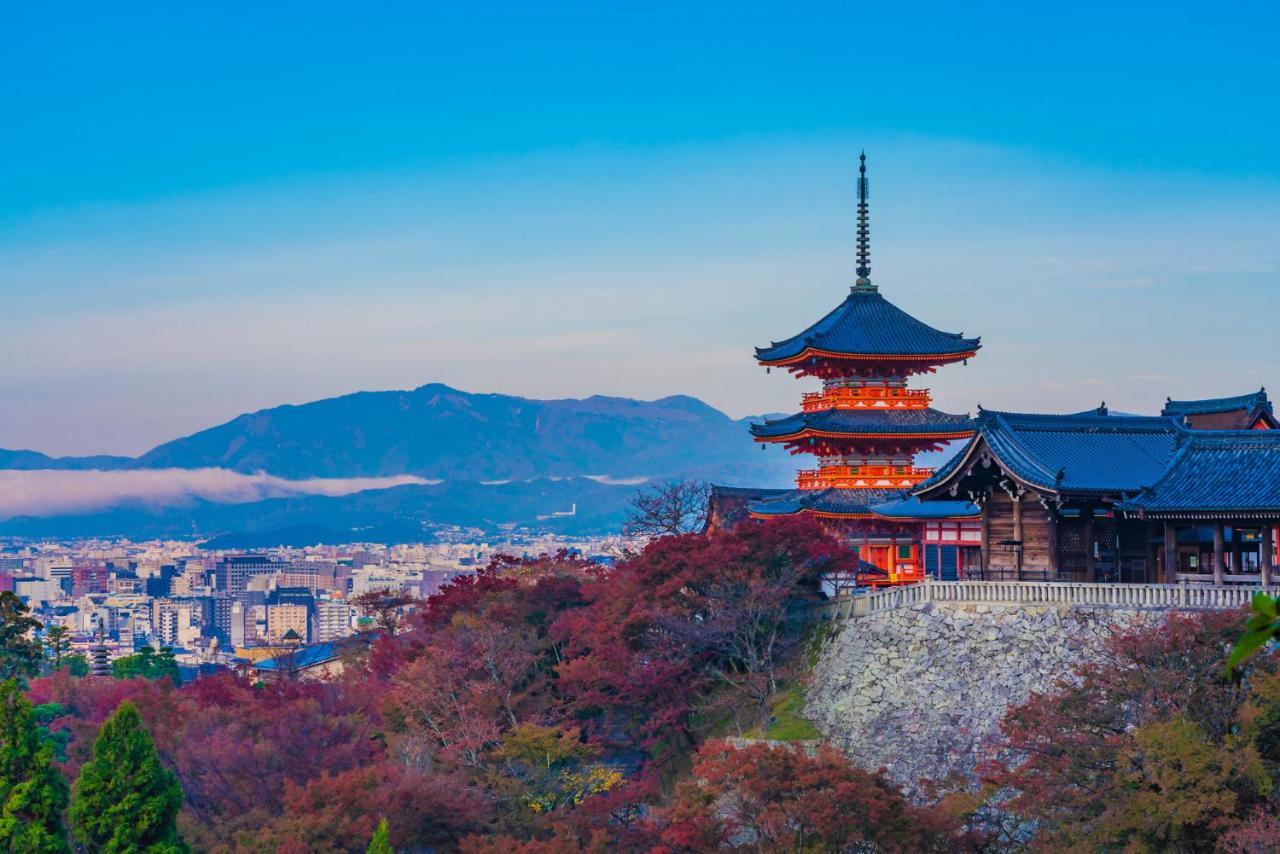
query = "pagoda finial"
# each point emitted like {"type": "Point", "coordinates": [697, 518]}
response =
{"type": "Point", "coordinates": [864, 227]}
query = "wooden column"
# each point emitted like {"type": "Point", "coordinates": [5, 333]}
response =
{"type": "Point", "coordinates": [1170, 553]}
{"type": "Point", "coordinates": [1090, 562]}
{"type": "Point", "coordinates": [1051, 521]}
{"type": "Point", "coordinates": [986, 538]}
{"type": "Point", "coordinates": [1219, 555]}
{"type": "Point", "coordinates": [1237, 550]}
{"type": "Point", "coordinates": [1017, 534]}
{"type": "Point", "coordinates": [1267, 557]}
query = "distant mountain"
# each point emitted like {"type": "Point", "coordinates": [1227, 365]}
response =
{"type": "Point", "coordinates": [438, 432]}
{"type": "Point", "coordinates": [29, 460]}
{"type": "Point", "coordinates": [502, 460]}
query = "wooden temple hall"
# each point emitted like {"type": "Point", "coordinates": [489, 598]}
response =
{"type": "Point", "coordinates": [1189, 495]}
{"type": "Point", "coordinates": [1100, 496]}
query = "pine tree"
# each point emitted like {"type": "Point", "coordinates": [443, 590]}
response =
{"type": "Point", "coordinates": [381, 842]}
{"type": "Point", "coordinates": [125, 800]}
{"type": "Point", "coordinates": [33, 794]}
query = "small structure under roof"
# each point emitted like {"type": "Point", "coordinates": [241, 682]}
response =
{"type": "Point", "coordinates": [1242, 412]}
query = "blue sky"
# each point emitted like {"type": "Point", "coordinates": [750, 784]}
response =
{"type": "Point", "coordinates": [203, 213]}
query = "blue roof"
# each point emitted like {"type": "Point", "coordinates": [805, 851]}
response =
{"type": "Point", "coordinates": [305, 656]}
{"type": "Point", "coordinates": [1229, 471]}
{"type": "Point", "coordinates": [1094, 451]}
{"type": "Point", "coordinates": [868, 324]}
{"type": "Point", "coordinates": [876, 421]}
{"type": "Point", "coordinates": [914, 508]}
{"type": "Point", "coordinates": [1247, 402]}
{"type": "Point", "coordinates": [886, 503]}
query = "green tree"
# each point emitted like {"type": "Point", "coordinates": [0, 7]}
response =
{"type": "Point", "coordinates": [146, 663]}
{"type": "Point", "coordinates": [57, 642]}
{"type": "Point", "coordinates": [126, 801]}
{"type": "Point", "coordinates": [381, 842]}
{"type": "Point", "coordinates": [20, 652]}
{"type": "Point", "coordinates": [77, 664]}
{"type": "Point", "coordinates": [33, 794]}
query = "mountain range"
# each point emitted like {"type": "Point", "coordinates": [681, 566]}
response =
{"type": "Point", "coordinates": [499, 459]}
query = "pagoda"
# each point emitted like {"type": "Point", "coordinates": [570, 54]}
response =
{"type": "Point", "coordinates": [866, 426]}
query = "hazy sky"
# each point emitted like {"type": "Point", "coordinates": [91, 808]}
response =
{"type": "Point", "coordinates": [207, 213]}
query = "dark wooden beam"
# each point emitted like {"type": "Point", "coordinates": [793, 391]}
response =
{"type": "Point", "coordinates": [1017, 533]}
{"type": "Point", "coordinates": [1090, 562]}
{"type": "Point", "coordinates": [1051, 522]}
{"type": "Point", "coordinates": [1170, 553]}
{"type": "Point", "coordinates": [1219, 555]}
{"type": "Point", "coordinates": [1268, 553]}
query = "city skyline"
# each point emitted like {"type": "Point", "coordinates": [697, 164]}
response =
{"type": "Point", "coordinates": [259, 225]}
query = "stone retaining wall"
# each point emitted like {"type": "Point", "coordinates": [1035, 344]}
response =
{"type": "Point", "coordinates": [920, 691]}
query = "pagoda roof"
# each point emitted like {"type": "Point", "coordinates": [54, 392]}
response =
{"type": "Point", "coordinates": [868, 325]}
{"type": "Point", "coordinates": [891, 504]}
{"type": "Point", "coordinates": [876, 422]}
{"type": "Point", "coordinates": [1216, 473]}
{"type": "Point", "coordinates": [1083, 452]}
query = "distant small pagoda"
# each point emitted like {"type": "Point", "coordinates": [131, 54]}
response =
{"type": "Point", "coordinates": [865, 426]}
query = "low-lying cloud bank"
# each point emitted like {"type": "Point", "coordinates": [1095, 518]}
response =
{"type": "Point", "coordinates": [60, 493]}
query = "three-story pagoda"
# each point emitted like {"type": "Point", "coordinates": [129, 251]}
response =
{"type": "Point", "coordinates": [866, 426]}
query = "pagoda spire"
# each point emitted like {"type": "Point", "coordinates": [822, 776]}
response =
{"type": "Point", "coordinates": [864, 227]}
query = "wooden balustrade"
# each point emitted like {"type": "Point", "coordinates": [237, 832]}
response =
{"type": "Point", "coordinates": [1136, 596]}
{"type": "Point", "coordinates": [866, 397]}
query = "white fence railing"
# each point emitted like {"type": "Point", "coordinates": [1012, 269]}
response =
{"type": "Point", "coordinates": [1167, 596]}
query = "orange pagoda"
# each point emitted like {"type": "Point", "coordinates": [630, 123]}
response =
{"type": "Point", "coordinates": [865, 427]}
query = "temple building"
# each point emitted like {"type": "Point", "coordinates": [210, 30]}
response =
{"type": "Point", "coordinates": [865, 428]}
{"type": "Point", "coordinates": [1191, 495]}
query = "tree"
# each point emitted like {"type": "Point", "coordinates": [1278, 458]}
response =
{"type": "Point", "coordinates": [385, 606]}
{"type": "Point", "coordinates": [147, 664]}
{"type": "Point", "coordinates": [669, 509]}
{"type": "Point", "coordinates": [33, 794]}
{"type": "Point", "coordinates": [1146, 746]}
{"type": "Point", "coordinates": [691, 621]}
{"type": "Point", "coordinates": [381, 842]}
{"type": "Point", "coordinates": [779, 799]}
{"type": "Point", "coordinates": [125, 800]}
{"type": "Point", "coordinates": [57, 641]}
{"type": "Point", "coordinates": [20, 652]}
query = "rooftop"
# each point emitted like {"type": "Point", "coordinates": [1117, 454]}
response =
{"type": "Point", "coordinates": [1094, 451]}
{"type": "Point", "coordinates": [1257, 399]}
{"type": "Point", "coordinates": [867, 324]}
{"type": "Point", "coordinates": [873, 422]}
{"type": "Point", "coordinates": [1235, 471]}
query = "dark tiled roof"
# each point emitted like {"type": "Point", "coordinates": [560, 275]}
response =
{"type": "Point", "coordinates": [1217, 472]}
{"type": "Point", "coordinates": [888, 422]}
{"type": "Point", "coordinates": [1247, 402]}
{"type": "Point", "coordinates": [727, 505]}
{"type": "Point", "coordinates": [868, 324]}
{"type": "Point", "coordinates": [1093, 452]}
{"type": "Point", "coordinates": [849, 502]}
{"type": "Point", "coordinates": [892, 504]}
{"type": "Point", "coordinates": [914, 508]}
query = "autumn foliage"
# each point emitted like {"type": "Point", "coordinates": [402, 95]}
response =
{"type": "Point", "coordinates": [553, 705]}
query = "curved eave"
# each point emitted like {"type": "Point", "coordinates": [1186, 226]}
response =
{"type": "Point", "coordinates": [886, 434]}
{"type": "Point", "coordinates": [811, 352]}
{"type": "Point", "coordinates": [936, 486]}
{"type": "Point", "coordinates": [821, 514]}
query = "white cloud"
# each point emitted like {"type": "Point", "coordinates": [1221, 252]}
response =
{"type": "Point", "coordinates": [54, 493]}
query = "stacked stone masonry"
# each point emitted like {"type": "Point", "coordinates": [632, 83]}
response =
{"type": "Point", "coordinates": [920, 691]}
